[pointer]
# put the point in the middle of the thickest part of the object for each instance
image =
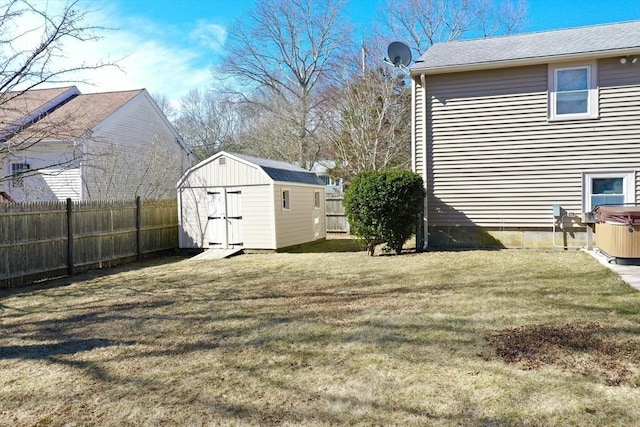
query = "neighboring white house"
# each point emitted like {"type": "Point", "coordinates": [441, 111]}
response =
{"type": "Point", "coordinates": [238, 201]}
{"type": "Point", "coordinates": [333, 185]}
{"type": "Point", "coordinates": [59, 143]}
{"type": "Point", "coordinates": [519, 137]}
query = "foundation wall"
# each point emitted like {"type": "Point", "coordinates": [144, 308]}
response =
{"type": "Point", "coordinates": [515, 237]}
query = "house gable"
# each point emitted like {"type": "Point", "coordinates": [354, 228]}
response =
{"type": "Point", "coordinates": [139, 150]}
{"type": "Point", "coordinates": [118, 143]}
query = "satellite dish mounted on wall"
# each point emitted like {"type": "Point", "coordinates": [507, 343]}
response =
{"type": "Point", "coordinates": [399, 54]}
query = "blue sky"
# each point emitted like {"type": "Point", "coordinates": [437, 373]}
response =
{"type": "Point", "coordinates": [168, 46]}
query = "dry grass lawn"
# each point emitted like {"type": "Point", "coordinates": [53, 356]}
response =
{"type": "Point", "coordinates": [444, 338]}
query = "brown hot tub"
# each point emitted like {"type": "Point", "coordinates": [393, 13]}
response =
{"type": "Point", "coordinates": [618, 232]}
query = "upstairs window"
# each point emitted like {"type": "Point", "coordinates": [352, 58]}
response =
{"type": "Point", "coordinates": [573, 92]}
{"type": "Point", "coordinates": [17, 172]}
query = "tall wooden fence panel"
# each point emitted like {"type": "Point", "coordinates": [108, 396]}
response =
{"type": "Point", "coordinates": [33, 242]}
{"type": "Point", "coordinates": [336, 217]}
{"type": "Point", "coordinates": [47, 240]}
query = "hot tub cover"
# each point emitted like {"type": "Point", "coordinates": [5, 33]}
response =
{"type": "Point", "coordinates": [627, 215]}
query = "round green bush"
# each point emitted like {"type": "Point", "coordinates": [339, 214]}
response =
{"type": "Point", "coordinates": [383, 207]}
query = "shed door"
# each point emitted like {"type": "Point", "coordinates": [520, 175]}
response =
{"type": "Point", "coordinates": [225, 218]}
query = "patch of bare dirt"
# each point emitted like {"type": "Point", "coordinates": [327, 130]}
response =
{"type": "Point", "coordinates": [589, 349]}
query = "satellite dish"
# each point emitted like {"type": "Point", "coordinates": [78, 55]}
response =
{"type": "Point", "coordinates": [399, 54]}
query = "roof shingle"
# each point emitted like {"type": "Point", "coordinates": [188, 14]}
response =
{"type": "Point", "coordinates": [282, 171]}
{"type": "Point", "coordinates": [74, 117]}
{"type": "Point", "coordinates": [609, 38]}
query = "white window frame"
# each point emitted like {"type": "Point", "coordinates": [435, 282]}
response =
{"type": "Point", "coordinates": [316, 199]}
{"type": "Point", "coordinates": [285, 201]}
{"type": "Point", "coordinates": [592, 90]}
{"type": "Point", "coordinates": [628, 185]}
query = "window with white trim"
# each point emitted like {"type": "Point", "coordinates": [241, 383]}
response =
{"type": "Point", "coordinates": [573, 92]}
{"type": "Point", "coordinates": [613, 188]}
{"type": "Point", "coordinates": [17, 173]}
{"type": "Point", "coordinates": [316, 199]}
{"type": "Point", "coordinates": [286, 200]}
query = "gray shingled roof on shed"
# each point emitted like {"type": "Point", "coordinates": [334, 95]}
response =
{"type": "Point", "coordinates": [282, 171]}
{"type": "Point", "coordinates": [544, 45]}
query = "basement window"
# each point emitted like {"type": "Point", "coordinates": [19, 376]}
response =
{"type": "Point", "coordinates": [614, 188]}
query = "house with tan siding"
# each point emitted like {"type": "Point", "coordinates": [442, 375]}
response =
{"type": "Point", "coordinates": [59, 143]}
{"type": "Point", "coordinates": [519, 137]}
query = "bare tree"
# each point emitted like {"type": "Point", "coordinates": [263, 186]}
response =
{"type": "Point", "coordinates": [371, 124]}
{"type": "Point", "coordinates": [282, 58]}
{"type": "Point", "coordinates": [32, 41]}
{"type": "Point", "coordinates": [208, 121]}
{"type": "Point", "coordinates": [149, 171]}
{"type": "Point", "coordinates": [168, 109]}
{"type": "Point", "coordinates": [421, 23]}
{"type": "Point", "coordinates": [372, 127]}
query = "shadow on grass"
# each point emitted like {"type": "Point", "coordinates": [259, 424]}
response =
{"type": "Point", "coordinates": [45, 351]}
{"type": "Point", "coordinates": [326, 246]}
{"type": "Point", "coordinates": [89, 275]}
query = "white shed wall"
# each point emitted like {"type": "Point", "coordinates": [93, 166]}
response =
{"type": "Point", "coordinates": [302, 223]}
{"type": "Point", "coordinates": [257, 216]}
{"type": "Point", "coordinates": [192, 217]}
{"type": "Point", "coordinates": [212, 173]}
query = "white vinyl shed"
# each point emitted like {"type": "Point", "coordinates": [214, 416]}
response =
{"type": "Point", "coordinates": [231, 201]}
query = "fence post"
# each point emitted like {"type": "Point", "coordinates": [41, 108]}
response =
{"type": "Point", "coordinates": [138, 229]}
{"type": "Point", "coordinates": [69, 237]}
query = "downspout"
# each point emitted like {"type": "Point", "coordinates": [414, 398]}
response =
{"type": "Point", "coordinates": [419, 220]}
{"type": "Point", "coordinates": [84, 191]}
{"type": "Point", "coordinates": [425, 212]}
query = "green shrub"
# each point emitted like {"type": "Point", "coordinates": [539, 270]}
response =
{"type": "Point", "coordinates": [383, 207]}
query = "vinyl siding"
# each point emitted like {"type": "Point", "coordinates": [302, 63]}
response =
{"type": "Point", "coordinates": [495, 160]}
{"type": "Point", "coordinates": [419, 128]}
{"type": "Point", "coordinates": [257, 217]}
{"type": "Point", "coordinates": [133, 152]}
{"type": "Point", "coordinates": [302, 223]}
{"type": "Point", "coordinates": [63, 183]}
{"type": "Point", "coordinates": [232, 173]}
{"type": "Point", "coordinates": [193, 213]}
{"type": "Point", "coordinates": [52, 183]}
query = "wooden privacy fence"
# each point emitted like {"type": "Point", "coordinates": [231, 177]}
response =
{"type": "Point", "coordinates": [336, 217]}
{"type": "Point", "coordinates": [52, 239]}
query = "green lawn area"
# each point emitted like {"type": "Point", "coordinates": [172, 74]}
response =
{"type": "Point", "coordinates": [473, 338]}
